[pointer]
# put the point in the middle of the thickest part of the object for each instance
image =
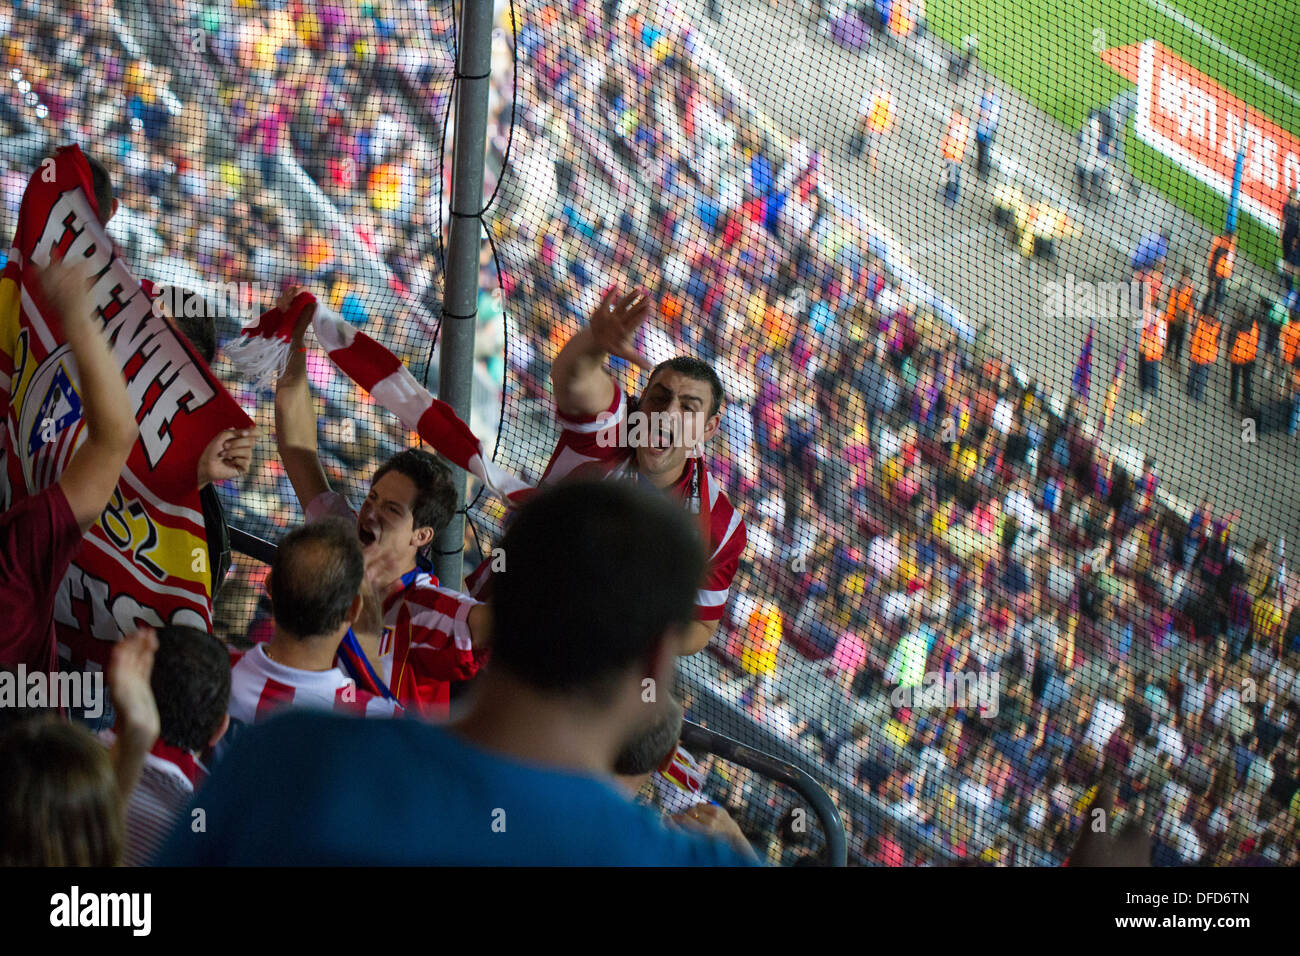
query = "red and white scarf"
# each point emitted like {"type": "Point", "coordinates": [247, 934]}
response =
{"type": "Point", "coordinates": [262, 352]}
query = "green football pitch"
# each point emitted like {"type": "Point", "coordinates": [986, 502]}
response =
{"type": "Point", "coordinates": [1048, 50]}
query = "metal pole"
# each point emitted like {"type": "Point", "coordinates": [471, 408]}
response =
{"type": "Point", "coordinates": [460, 302]}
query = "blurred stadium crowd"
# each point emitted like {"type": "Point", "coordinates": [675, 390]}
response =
{"type": "Point", "coordinates": [915, 505]}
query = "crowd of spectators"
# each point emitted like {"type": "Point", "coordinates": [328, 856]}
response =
{"type": "Point", "coordinates": [898, 481]}
{"type": "Point", "coordinates": [903, 488]}
{"type": "Point", "coordinates": [295, 81]}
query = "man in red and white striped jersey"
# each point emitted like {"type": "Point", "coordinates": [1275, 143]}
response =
{"type": "Point", "coordinates": [658, 440]}
{"type": "Point", "coordinates": [191, 688]}
{"type": "Point", "coordinates": [315, 587]}
{"type": "Point", "coordinates": [416, 638]}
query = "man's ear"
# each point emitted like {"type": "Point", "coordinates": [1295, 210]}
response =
{"type": "Point", "coordinates": [354, 610]}
{"type": "Point", "coordinates": [112, 212]}
{"type": "Point", "coordinates": [661, 661]}
{"type": "Point", "coordinates": [267, 585]}
{"type": "Point", "coordinates": [711, 427]}
{"type": "Point", "coordinates": [221, 730]}
{"type": "Point", "coordinates": [421, 537]}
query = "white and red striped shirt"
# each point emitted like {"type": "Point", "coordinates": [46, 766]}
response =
{"type": "Point", "coordinates": [589, 447]}
{"type": "Point", "coordinates": [425, 644]}
{"type": "Point", "coordinates": [168, 780]}
{"type": "Point", "coordinates": [260, 686]}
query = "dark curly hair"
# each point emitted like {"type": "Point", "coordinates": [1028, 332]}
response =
{"type": "Point", "coordinates": [191, 683]}
{"type": "Point", "coordinates": [700, 371]}
{"type": "Point", "coordinates": [435, 496]}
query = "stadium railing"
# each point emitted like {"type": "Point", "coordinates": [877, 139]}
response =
{"type": "Point", "coordinates": [700, 740]}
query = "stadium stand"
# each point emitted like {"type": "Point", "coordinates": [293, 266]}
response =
{"type": "Point", "coordinates": [958, 604]}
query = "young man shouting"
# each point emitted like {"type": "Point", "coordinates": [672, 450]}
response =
{"type": "Point", "coordinates": [416, 637]}
{"type": "Point", "coordinates": [657, 440]}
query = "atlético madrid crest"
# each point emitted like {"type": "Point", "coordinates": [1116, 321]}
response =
{"type": "Point", "coordinates": [51, 412]}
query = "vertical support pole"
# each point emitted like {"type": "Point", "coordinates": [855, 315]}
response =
{"type": "Point", "coordinates": [460, 301]}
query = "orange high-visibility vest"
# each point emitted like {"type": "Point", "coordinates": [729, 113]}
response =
{"type": "Point", "coordinates": [956, 139]}
{"type": "Point", "coordinates": [1290, 344]}
{"type": "Point", "coordinates": [1180, 303]}
{"type": "Point", "coordinates": [1204, 347]}
{"type": "Point", "coordinates": [1223, 268]}
{"type": "Point", "coordinates": [1289, 341]}
{"type": "Point", "coordinates": [1153, 339]}
{"type": "Point", "coordinates": [1245, 346]}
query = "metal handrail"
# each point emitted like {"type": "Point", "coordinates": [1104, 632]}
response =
{"type": "Point", "coordinates": [696, 738]}
{"type": "Point", "coordinates": [251, 545]}
{"type": "Point", "coordinates": [702, 740]}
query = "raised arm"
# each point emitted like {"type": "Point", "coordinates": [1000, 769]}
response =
{"type": "Point", "coordinates": [92, 474]}
{"type": "Point", "coordinates": [138, 723]}
{"type": "Point", "coordinates": [295, 415]}
{"type": "Point", "coordinates": [582, 386]}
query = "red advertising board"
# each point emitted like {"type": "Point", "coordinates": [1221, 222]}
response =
{"type": "Point", "coordinates": [1194, 121]}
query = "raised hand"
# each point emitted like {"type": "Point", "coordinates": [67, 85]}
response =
{"type": "Point", "coordinates": [66, 289]}
{"type": "Point", "coordinates": [227, 456]}
{"type": "Point", "coordinates": [138, 724]}
{"type": "Point", "coordinates": [129, 673]}
{"type": "Point", "coordinates": [304, 320]}
{"type": "Point", "coordinates": [615, 321]}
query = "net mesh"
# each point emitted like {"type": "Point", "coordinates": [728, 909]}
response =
{"type": "Point", "coordinates": [930, 253]}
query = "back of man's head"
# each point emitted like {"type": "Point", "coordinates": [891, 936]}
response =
{"type": "Point", "coordinates": [597, 575]}
{"type": "Point", "coordinates": [191, 683]}
{"type": "Point", "coordinates": [193, 318]}
{"type": "Point", "coordinates": [315, 576]}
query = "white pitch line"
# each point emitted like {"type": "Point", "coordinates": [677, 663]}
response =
{"type": "Point", "coordinates": [1209, 39]}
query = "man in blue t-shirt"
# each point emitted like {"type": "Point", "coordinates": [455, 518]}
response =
{"type": "Point", "coordinates": [589, 617]}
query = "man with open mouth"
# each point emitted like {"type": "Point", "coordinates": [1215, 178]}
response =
{"type": "Point", "coordinates": [416, 637]}
{"type": "Point", "coordinates": [658, 440]}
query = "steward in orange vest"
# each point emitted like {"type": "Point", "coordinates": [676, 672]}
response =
{"type": "Point", "coordinates": [1152, 343]}
{"type": "Point", "coordinates": [1223, 251]}
{"type": "Point", "coordinates": [1243, 347]}
{"type": "Point", "coordinates": [1245, 342]}
{"type": "Point", "coordinates": [1203, 350]}
{"type": "Point", "coordinates": [1178, 314]}
{"type": "Point", "coordinates": [1204, 347]}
